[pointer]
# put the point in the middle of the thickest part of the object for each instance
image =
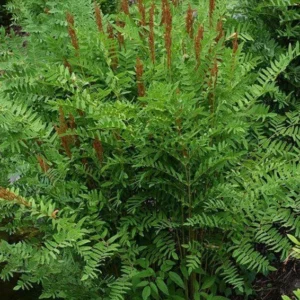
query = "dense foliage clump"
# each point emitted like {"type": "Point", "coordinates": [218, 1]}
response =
{"type": "Point", "coordinates": [147, 154]}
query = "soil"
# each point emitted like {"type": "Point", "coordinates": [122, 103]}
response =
{"type": "Point", "coordinates": [7, 292]}
{"type": "Point", "coordinates": [4, 17]}
{"type": "Point", "coordinates": [281, 282]}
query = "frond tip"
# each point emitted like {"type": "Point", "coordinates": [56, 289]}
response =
{"type": "Point", "coordinates": [10, 196]}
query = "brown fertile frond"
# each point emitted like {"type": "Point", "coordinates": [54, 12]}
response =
{"type": "Point", "coordinates": [142, 12]}
{"type": "Point", "coordinates": [220, 31]}
{"type": "Point", "coordinates": [175, 2]}
{"type": "Point", "coordinates": [189, 19]}
{"type": "Point", "coordinates": [44, 166]}
{"type": "Point", "coordinates": [139, 77]}
{"type": "Point", "coordinates": [215, 71]}
{"type": "Point", "coordinates": [110, 31]}
{"type": "Point", "coordinates": [112, 50]}
{"type": "Point", "coordinates": [97, 145]}
{"type": "Point", "coordinates": [67, 65]}
{"type": "Point", "coordinates": [98, 15]}
{"type": "Point", "coordinates": [125, 6]}
{"type": "Point", "coordinates": [72, 32]}
{"type": "Point", "coordinates": [72, 123]}
{"type": "Point", "coordinates": [120, 35]}
{"type": "Point", "coordinates": [165, 7]}
{"type": "Point", "coordinates": [198, 46]}
{"type": "Point", "coordinates": [63, 127]}
{"type": "Point", "coordinates": [151, 32]}
{"type": "Point", "coordinates": [235, 43]}
{"type": "Point", "coordinates": [10, 196]}
{"type": "Point", "coordinates": [212, 5]}
{"type": "Point", "coordinates": [70, 19]}
{"type": "Point", "coordinates": [62, 121]}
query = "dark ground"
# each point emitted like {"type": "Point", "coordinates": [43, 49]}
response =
{"type": "Point", "coordinates": [281, 282]}
{"type": "Point", "coordinates": [7, 292]}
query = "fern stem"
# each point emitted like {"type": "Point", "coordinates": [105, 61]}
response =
{"type": "Point", "coordinates": [179, 244]}
{"type": "Point", "coordinates": [191, 232]}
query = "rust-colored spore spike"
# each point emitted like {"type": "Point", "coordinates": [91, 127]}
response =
{"type": "Point", "coordinates": [215, 71]}
{"type": "Point", "coordinates": [44, 166]}
{"type": "Point", "coordinates": [70, 19]}
{"type": "Point", "coordinates": [198, 44]}
{"type": "Point", "coordinates": [72, 125]}
{"type": "Point", "coordinates": [163, 12]}
{"type": "Point", "coordinates": [62, 120]}
{"type": "Point", "coordinates": [151, 32]}
{"type": "Point", "coordinates": [139, 77]}
{"type": "Point", "coordinates": [142, 12]}
{"type": "Point", "coordinates": [98, 15]}
{"type": "Point", "coordinates": [7, 195]}
{"type": "Point", "coordinates": [189, 21]}
{"type": "Point", "coordinates": [235, 43]}
{"type": "Point", "coordinates": [67, 65]}
{"type": "Point", "coordinates": [97, 145]}
{"type": "Point", "coordinates": [213, 74]}
{"type": "Point", "coordinates": [212, 5]}
{"type": "Point", "coordinates": [10, 196]}
{"type": "Point", "coordinates": [63, 127]}
{"type": "Point", "coordinates": [112, 50]}
{"type": "Point", "coordinates": [175, 2]}
{"type": "Point", "coordinates": [219, 30]}
{"type": "Point", "coordinates": [110, 31]}
{"type": "Point", "coordinates": [125, 7]}
{"type": "Point", "coordinates": [165, 7]}
{"type": "Point", "coordinates": [120, 35]}
{"type": "Point", "coordinates": [72, 32]}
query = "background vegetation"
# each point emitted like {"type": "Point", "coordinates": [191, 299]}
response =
{"type": "Point", "coordinates": [150, 150]}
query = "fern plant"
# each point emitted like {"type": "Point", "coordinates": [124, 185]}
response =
{"type": "Point", "coordinates": [269, 37]}
{"type": "Point", "coordinates": [297, 294]}
{"type": "Point", "coordinates": [148, 165]}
